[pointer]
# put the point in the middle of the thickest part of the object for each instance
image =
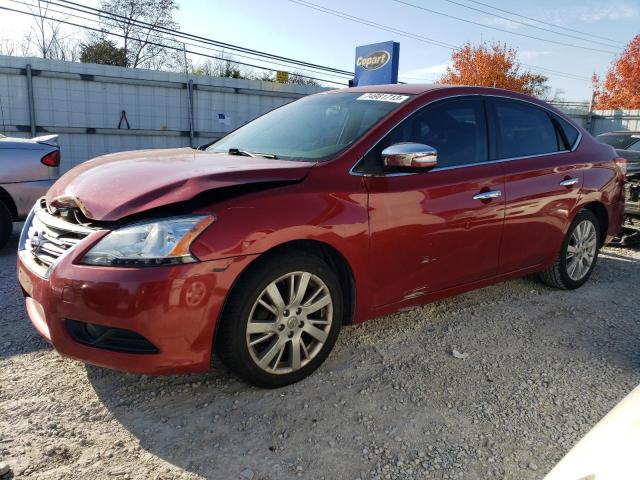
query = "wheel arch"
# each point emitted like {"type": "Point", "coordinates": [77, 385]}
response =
{"type": "Point", "coordinates": [600, 211]}
{"type": "Point", "coordinates": [9, 203]}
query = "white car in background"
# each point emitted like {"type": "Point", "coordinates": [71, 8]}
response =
{"type": "Point", "coordinates": [610, 450]}
{"type": "Point", "coordinates": [28, 167]}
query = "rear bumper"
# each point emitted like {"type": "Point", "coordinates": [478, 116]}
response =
{"type": "Point", "coordinates": [616, 213]}
{"type": "Point", "coordinates": [175, 308]}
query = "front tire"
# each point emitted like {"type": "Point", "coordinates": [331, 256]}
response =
{"type": "Point", "coordinates": [6, 225]}
{"type": "Point", "coordinates": [578, 254]}
{"type": "Point", "coordinates": [281, 321]}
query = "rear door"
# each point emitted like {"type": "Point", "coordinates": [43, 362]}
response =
{"type": "Point", "coordinates": [543, 177]}
{"type": "Point", "coordinates": [430, 230]}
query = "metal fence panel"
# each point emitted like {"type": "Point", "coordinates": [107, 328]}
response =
{"type": "Point", "coordinates": [601, 121]}
{"type": "Point", "coordinates": [612, 120]}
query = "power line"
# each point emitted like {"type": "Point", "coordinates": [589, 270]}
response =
{"type": "Point", "coordinates": [300, 2]}
{"type": "Point", "coordinates": [545, 23]}
{"type": "Point", "coordinates": [556, 72]}
{"type": "Point", "coordinates": [160, 37]}
{"type": "Point", "coordinates": [229, 46]}
{"type": "Point", "coordinates": [419, 7]}
{"type": "Point", "coordinates": [417, 37]}
{"type": "Point", "coordinates": [162, 45]}
{"type": "Point", "coordinates": [370, 23]}
{"type": "Point", "coordinates": [168, 46]}
{"type": "Point", "coordinates": [530, 25]}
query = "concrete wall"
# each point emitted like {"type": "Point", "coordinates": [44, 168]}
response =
{"type": "Point", "coordinates": [83, 103]}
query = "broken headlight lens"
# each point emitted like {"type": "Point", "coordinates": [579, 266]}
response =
{"type": "Point", "coordinates": [150, 243]}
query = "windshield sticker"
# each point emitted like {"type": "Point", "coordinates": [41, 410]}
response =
{"type": "Point", "coordinates": [383, 97]}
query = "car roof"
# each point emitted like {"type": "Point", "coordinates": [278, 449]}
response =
{"type": "Point", "coordinates": [620, 132]}
{"type": "Point", "coordinates": [399, 88]}
{"type": "Point", "coordinates": [422, 88]}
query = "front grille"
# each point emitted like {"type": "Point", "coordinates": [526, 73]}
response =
{"type": "Point", "coordinates": [48, 236]}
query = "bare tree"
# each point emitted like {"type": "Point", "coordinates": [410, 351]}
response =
{"type": "Point", "coordinates": [223, 67]}
{"type": "Point", "coordinates": [44, 34]}
{"type": "Point", "coordinates": [299, 79]}
{"type": "Point", "coordinates": [46, 38]}
{"type": "Point", "coordinates": [145, 45]}
{"type": "Point", "coordinates": [7, 47]}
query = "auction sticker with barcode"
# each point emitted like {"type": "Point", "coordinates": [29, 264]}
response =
{"type": "Point", "coordinates": [383, 97]}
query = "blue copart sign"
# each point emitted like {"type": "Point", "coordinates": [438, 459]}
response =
{"type": "Point", "coordinates": [377, 64]}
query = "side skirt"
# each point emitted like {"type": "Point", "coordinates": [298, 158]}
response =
{"type": "Point", "coordinates": [450, 292]}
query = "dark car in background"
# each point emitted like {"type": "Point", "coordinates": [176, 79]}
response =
{"type": "Point", "coordinates": [627, 145]}
{"type": "Point", "coordinates": [28, 167]}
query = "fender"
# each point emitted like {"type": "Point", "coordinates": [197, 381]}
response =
{"type": "Point", "coordinates": [301, 211]}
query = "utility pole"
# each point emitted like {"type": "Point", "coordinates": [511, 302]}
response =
{"type": "Point", "coordinates": [189, 94]}
{"type": "Point", "coordinates": [589, 120]}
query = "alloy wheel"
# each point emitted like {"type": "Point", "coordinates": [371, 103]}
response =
{"type": "Point", "coordinates": [581, 250]}
{"type": "Point", "coordinates": [289, 322]}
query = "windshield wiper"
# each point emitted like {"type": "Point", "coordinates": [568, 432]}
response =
{"type": "Point", "coordinates": [247, 153]}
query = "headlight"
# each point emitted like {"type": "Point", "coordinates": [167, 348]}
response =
{"type": "Point", "coordinates": [150, 243]}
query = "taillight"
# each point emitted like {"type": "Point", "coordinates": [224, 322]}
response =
{"type": "Point", "coordinates": [51, 159]}
{"type": "Point", "coordinates": [621, 163]}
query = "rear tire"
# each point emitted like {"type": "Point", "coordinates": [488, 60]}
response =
{"type": "Point", "coordinates": [578, 254]}
{"type": "Point", "coordinates": [281, 320]}
{"type": "Point", "coordinates": [6, 225]}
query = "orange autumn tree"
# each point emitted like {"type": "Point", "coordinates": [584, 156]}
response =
{"type": "Point", "coordinates": [621, 86]}
{"type": "Point", "coordinates": [492, 65]}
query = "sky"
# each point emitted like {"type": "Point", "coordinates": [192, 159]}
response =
{"type": "Point", "coordinates": [289, 29]}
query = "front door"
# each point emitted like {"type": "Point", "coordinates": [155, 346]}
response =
{"type": "Point", "coordinates": [442, 228]}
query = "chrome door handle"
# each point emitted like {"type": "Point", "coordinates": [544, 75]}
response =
{"type": "Point", "coordinates": [569, 182]}
{"type": "Point", "coordinates": [488, 195]}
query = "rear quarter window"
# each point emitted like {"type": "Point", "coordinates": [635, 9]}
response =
{"type": "Point", "coordinates": [571, 133]}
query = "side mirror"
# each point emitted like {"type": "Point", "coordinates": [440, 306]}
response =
{"type": "Point", "coordinates": [410, 156]}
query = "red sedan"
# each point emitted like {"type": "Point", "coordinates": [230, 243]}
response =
{"type": "Point", "coordinates": [331, 210]}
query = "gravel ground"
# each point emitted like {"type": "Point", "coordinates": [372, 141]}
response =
{"type": "Point", "coordinates": [542, 367]}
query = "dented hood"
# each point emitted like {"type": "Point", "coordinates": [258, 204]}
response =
{"type": "Point", "coordinates": [121, 184]}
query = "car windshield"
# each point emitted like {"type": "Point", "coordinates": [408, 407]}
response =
{"type": "Point", "coordinates": [310, 129]}
{"type": "Point", "coordinates": [621, 141]}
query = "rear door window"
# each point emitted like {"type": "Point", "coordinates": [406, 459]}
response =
{"type": "Point", "coordinates": [524, 130]}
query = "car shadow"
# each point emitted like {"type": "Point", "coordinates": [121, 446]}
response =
{"type": "Point", "coordinates": [12, 245]}
{"type": "Point", "coordinates": [221, 424]}
{"type": "Point", "coordinates": [214, 425]}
